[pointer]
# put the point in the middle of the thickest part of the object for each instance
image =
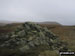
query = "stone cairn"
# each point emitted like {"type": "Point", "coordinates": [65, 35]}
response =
{"type": "Point", "coordinates": [27, 38]}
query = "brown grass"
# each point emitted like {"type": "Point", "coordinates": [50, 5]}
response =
{"type": "Point", "coordinates": [65, 33]}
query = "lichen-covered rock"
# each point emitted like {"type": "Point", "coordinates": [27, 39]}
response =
{"type": "Point", "coordinates": [26, 38]}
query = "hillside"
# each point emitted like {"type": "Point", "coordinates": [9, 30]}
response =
{"type": "Point", "coordinates": [66, 33]}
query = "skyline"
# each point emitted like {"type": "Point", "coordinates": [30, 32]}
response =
{"type": "Point", "coordinates": [62, 11]}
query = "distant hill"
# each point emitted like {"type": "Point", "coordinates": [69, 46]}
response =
{"type": "Point", "coordinates": [2, 24]}
{"type": "Point", "coordinates": [50, 23]}
{"type": "Point", "coordinates": [5, 22]}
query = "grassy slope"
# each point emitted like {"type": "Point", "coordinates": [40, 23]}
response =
{"type": "Point", "coordinates": [67, 34]}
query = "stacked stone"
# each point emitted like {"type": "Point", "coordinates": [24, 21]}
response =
{"type": "Point", "coordinates": [26, 37]}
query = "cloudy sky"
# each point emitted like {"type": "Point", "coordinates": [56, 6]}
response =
{"type": "Point", "coordinates": [62, 11]}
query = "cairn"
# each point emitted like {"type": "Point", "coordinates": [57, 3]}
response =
{"type": "Point", "coordinates": [26, 38]}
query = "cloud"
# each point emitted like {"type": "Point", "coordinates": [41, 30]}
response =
{"type": "Point", "coordinates": [62, 11]}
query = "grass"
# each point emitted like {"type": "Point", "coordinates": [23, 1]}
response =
{"type": "Point", "coordinates": [65, 33]}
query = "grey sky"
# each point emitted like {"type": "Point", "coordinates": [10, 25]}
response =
{"type": "Point", "coordinates": [62, 11]}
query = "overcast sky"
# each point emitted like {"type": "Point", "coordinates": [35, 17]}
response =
{"type": "Point", "coordinates": [62, 11]}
